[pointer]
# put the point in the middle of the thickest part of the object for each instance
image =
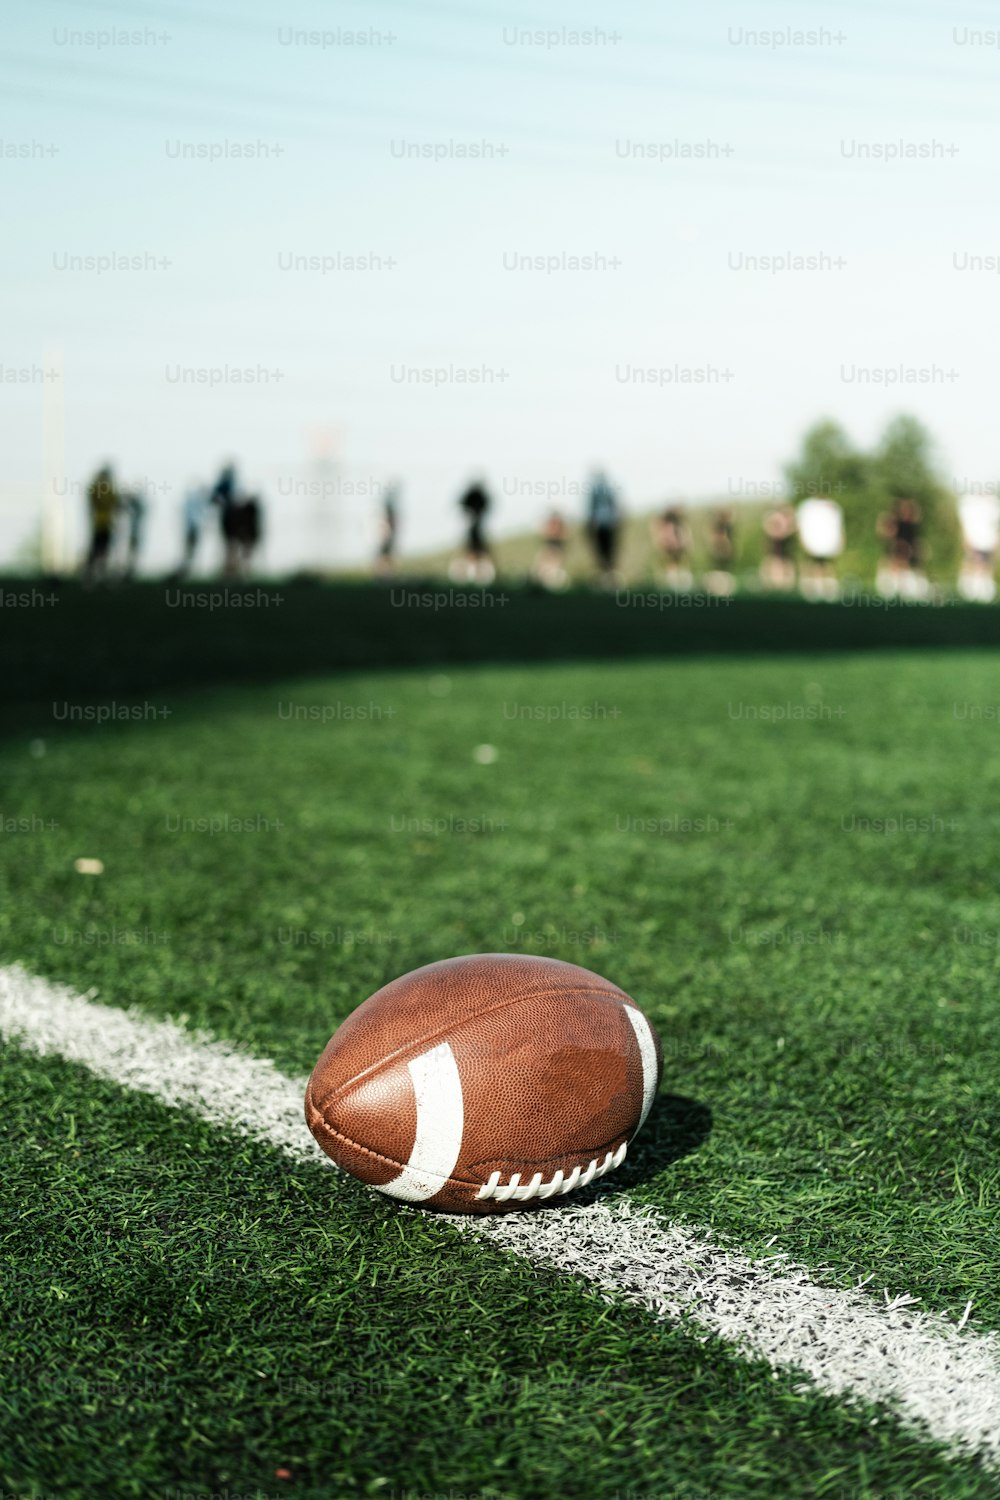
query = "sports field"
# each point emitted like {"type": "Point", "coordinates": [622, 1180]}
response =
{"type": "Point", "coordinates": [788, 860]}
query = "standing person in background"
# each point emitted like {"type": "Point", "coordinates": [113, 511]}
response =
{"type": "Point", "coordinates": [224, 495]}
{"type": "Point", "coordinates": [102, 500]}
{"type": "Point", "coordinates": [901, 575]}
{"type": "Point", "coordinates": [248, 530]}
{"type": "Point", "coordinates": [603, 524]}
{"type": "Point", "coordinates": [550, 564]}
{"type": "Point", "coordinates": [913, 579]}
{"type": "Point", "coordinates": [980, 518]}
{"type": "Point", "coordinates": [886, 577]}
{"type": "Point", "coordinates": [385, 558]}
{"type": "Point", "coordinates": [133, 505]}
{"type": "Point", "coordinates": [476, 565]}
{"type": "Point", "coordinates": [777, 570]}
{"type": "Point", "coordinates": [670, 536]}
{"type": "Point", "coordinates": [194, 511]}
{"type": "Point", "coordinates": [721, 551]}
{"type": "Point", "coordinates": [821, 532]}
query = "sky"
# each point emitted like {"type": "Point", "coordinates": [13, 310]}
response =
{"type": "Point", "coordinates": [343, 243]}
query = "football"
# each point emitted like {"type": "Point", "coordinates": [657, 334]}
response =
{"type": "Point", "coordinates": [486, 1083]}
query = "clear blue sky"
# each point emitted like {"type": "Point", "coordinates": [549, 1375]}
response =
{"type": "Point", "coordinates": [793, 120]}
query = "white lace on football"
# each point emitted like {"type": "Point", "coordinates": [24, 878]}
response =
{"type": "Point", "coordinates": [536, 1188]}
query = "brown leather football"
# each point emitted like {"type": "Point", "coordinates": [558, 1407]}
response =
{"type": "Point", "coordinates": [485, 1083]}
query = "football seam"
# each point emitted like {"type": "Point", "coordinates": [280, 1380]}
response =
{"type": "Point", "coordinates": [390, 1161]}
{"type": "Point", "coordinates": [421, 1045]}
{"type": "Point", "coordinates": [321, 1124]}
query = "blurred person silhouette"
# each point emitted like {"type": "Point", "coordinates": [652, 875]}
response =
{"type": "Point", "coordinates": [821, 532]}
{"type": "Point", "coordinates": [980, 520]}
{"type": "Point", "coordinates": [900, 574]}
{"type": "Point", "coordinates": [133, 506]}
{"type": "Point", "coordinates": [603, 525]}
{"type": "Point", "coordinates": [103, 503]}
{"type": "Point", "coordinates": [670, 536]}
{"type": "Point", "coordinates": [885, 576]}
{"type": "Point", "coordinates": [194, 512]}
{"type": "Point", "coordinates": [476, 563]}
{"type": "Point", "coordinates": [777, 569]}
{"type": "Point", "coordinates": [550, 564]}
{"type": "Point", "coordinates": [385, 558]}
{"type": "Point", "coordinates": [244, 533]}
{"type": "Point", "coordinates": [721, 551]}
{"type": "Point", "coordinates": [225, 494]}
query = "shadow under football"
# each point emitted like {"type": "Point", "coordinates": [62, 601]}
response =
{"type": "Point", "coordinates": [676, 1126]}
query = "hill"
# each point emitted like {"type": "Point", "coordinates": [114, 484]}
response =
{"type": "Point", "coordinates": [515, 554]}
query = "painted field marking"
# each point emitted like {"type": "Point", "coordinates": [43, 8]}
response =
{"type": "Point", "coordinates": [937, 1378]}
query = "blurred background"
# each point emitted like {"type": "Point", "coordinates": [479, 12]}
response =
{"type": "Point", "coordinates": [477, 479]}
{"type": "Point", "coordinates": [728, 257]}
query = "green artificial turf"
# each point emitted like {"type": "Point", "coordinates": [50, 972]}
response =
{"type": "Point", "coordinates": [191, 1314]}
{"type": "Point", "coordinates": [710, 834]}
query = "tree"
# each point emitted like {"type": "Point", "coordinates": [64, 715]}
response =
{"type": "Point", "coordinates": [866, 485]}
{"type": "Point", "coordinates": [903, 468]}
{"type": "Point", "coordinates": [828, 465]}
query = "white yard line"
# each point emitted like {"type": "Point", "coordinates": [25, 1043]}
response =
{"type": "Point", "coordinates": [851, 1345]}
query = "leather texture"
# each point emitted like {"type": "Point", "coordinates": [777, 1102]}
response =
{"type": "Point", "coordinates": [500, 1063]}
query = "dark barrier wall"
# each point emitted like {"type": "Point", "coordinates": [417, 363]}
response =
{"type": "Point", "coordinates": [133, 638]}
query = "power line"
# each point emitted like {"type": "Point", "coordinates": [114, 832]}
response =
{"type": "Point", "coordinates": [460, 13]}
{"type": "Point", "coordinates": [735, 175]}
{"type": "Point", "coordinates": [210, 94]}
{"type": "Point", "coordinates": [680, 50]}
